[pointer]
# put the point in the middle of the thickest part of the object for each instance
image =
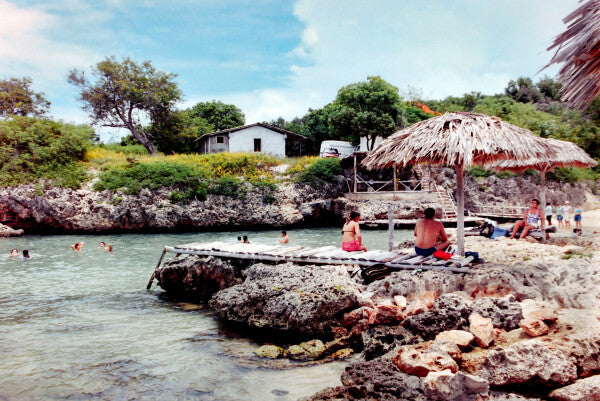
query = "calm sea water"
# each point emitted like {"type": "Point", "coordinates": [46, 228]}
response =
{"type": "Point", "coordinates": [81, 326]}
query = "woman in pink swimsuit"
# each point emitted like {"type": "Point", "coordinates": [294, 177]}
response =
{"type": "Point", "coordinates": [351, 239]}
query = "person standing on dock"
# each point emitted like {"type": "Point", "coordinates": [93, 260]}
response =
{"type": "Point", "coordinates": [351, 238]}
{"type": "Point", "coordinates": [430, 234]}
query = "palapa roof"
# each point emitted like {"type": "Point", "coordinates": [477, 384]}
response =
{"type": "Point", "coordinates": [578, 47]}
{"type": "Point", "coordinates": [456, 138]}
{"type": "Point", "coordinates": [563, 154]}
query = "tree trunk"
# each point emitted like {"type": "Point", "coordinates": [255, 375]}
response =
{"type": "Point", "coordinates": [143, 139]}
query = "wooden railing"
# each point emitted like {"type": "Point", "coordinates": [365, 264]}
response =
{"type": "Point", "coordinates": [497, 210]}
{"type": "Point", "coordinates": [362, 185]}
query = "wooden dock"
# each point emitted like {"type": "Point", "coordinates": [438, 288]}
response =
{"type": "Point", "coordinates": [410, 223]}
{"type": "Point", "coordinates": [326, 255]}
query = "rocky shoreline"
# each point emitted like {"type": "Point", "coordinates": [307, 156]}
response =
{"type": "Point", "coordinates": [511, 329]}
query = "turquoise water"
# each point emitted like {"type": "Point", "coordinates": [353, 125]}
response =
{"type": "Point", "coordinates": [81, 326]}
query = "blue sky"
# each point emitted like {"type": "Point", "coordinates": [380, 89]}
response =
{"type": "Point", "coordinates": [278, 58]}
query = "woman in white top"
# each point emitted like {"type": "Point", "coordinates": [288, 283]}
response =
{"type": "Point", "coordinates": [567, 215]}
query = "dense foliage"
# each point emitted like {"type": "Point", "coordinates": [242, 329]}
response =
{"type": "Point", "coordinates": [18, 99]}
{"type": "Point", "coordinates": [317, 171]}
{"type": "Point", "coordinates": [34, 148]}
{"type": "Point", "coordinates": [124, 93]}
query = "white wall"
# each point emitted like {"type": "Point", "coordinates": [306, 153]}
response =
{"type": "Point", "coordinates": [363, 143]}
{"type": "Point", "coordinates": [243, 141]}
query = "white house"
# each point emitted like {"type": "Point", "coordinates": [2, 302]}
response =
{"type": "Point", "coordinates": [257, 137]}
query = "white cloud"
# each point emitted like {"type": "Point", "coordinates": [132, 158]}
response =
{"type": "Point", "coordinates": [441, 49]}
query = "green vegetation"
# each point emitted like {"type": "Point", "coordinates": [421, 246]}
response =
{"type": "Point", "coordinates": [34, 148]}
{"type": "Point", "coordinates": [319, 172]}
{"type": "Point", "coordinates": [18, 99]}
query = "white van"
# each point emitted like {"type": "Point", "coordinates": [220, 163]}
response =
{"type": "Point", "coordinates": [339, 149]}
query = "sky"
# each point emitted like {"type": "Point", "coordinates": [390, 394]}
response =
{"type": "Point", "coordinates": [278, 58]}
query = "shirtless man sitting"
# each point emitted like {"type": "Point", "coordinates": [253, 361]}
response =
{"type": "Point", "coordinates": [430, 235]}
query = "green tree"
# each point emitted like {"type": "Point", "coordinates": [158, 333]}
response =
{"type": "Point", "coordinates": [125, 93]}
{"type": "Point", "coordinates": [33, 148]}
{"type": "Point", "coordinates": [18, 99]}
{"type": "Point", "coordinates": [220, 115]}
{"type": "Point", "coordinates": [523, 90]}
{"type": "Point", "coordinates": [369, 109]}
{"type": "Point", "coordinates": [177, 132]}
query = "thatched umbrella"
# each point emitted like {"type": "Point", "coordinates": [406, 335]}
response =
{"type": "Point", "coordinates": [460, 140]}
{"type": "Point", "coordinates": [563, 154]}
{"type": "Point", "coordinates": [579, 49]}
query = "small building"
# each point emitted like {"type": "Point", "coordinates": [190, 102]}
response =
{"type": "Point", "coordinates": [257, 137]}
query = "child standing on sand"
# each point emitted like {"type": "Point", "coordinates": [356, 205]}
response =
{"type": "Point", "coordinates": [559, 216]}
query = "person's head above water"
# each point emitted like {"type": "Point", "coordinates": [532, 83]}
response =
{"type": "Point", "coordinates": [429, 213]}
{"type": "Point", "coordinates": [26, 254]}
{"type": "Point", "coordinates": [14, 252]}
{"type": "Point", "coordinates": [353, 215]}
{"type": "Point", "coordinates": [102, 244]}
{"type": "Point", "coordinates": [284, 233]}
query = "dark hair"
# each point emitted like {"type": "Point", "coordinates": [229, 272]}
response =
{"type": "Point", "coordinates": [536, 201]}
{"type": "Point", "coordinates": [284, 232]}
{"type": "Point", "coordinates": [245, 238]}
{"type": "Point", "coordinates": [353, 215]}
{"type": "Point", "coordinates": [429, 213]}
{"type": "Point", "coordinates": [103, 243]}
{"type": "Point", "coordinates": [11, 251]}
{"type": "Point", "coordinates": [547, 203]}
{"type": "Point", "coordinates": [25, 253]}
{"type": "Point", "coordinates": [239, 238]}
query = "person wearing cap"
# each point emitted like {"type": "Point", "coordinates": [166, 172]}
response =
{"type": "Point", "coordinates": [567, 214]}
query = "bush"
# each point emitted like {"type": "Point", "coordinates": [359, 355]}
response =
{"type": "Point", "coordinates": [320, 172]}
{"type": "Point", "coordinates": [573, 174]}
{"type": "Point", "coordinates": [35, 148]}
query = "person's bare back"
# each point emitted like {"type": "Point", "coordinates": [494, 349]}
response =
{"type": "Point", "coordinates": [428, 232]}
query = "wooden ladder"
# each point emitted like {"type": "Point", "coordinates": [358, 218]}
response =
{"type": "Point", "coordinates": [424, 176]}
{"type": "Point", "coordinates": [446, 201]}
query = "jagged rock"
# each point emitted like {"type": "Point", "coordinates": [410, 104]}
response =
{"type": "Point", "coordinates": [305, 299]}
{"type": "Point", "coordinates": [587, 389]}
{"type": "Point", "coordinates": [447, 386]}
{"type": "Point", "coordinates": [400, 301]}
{"type": "Point", "coordinates": [197, 277]}
{"type": "Point", "coordinates": [505, 312]}
{"type": "Point", "coordinates": [528, 362]}
{"type": "Point", "coordinates": [482, 329]}
{"type": "Point", "coordinates": [450, 312]}
{"type": "Point", "coordinates": [534, 327]}
{"type": "Point", "coordinates": [502, 396]}
{"type": "Point", "coordinates": [6, 231]}
{"type": "Point", "coordinates": [419, 360]}
{"type": "Point", "coordinates": [386, 314]}
{"type": "Point", "coordinates": [342, 353]}
{"type": "Point", "coordinates": [307, 350]}
{"type": "Point", "coordinates": [353, 317]}
{"type": "Point", "coordinates": [376, 380]}
{"type": "Point", "coordinates": [447, 347]}
{"type": "Point", "coordinates": [545, 315]}
{"type": "Point", "coordinates": [379, 340]}
{"type": "Point", "coordinates": [269, 351]}
{"type": "Point", "coordinates": [461, 338]}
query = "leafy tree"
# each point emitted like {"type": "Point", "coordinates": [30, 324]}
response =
{"type": "Point", "coordinates": [549, 87]}
{"type": "Point", "coordinates": [369, 109]}
{"type": "Point", "coordinates": [18, 99]}
{"type": "Point", "coordinates": [523, 90]}
{"type": "Point", "coordinates": [125, 93]}
{"type": "Point", "coordinates": [220, 115]}
{"type": "Point", "coordinates": [177, 132]}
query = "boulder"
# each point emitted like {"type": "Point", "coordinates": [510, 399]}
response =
{"type": "Point", "coordinates": [534, 327]}
{"type": "Point", "coordinates": [421, 303]}
{"type": "Point", "coordinates": [379, 340]}
{"type": "Point", "coordinates": [373, 380]}
{"type": "Point", "coordinates": [196, 277]}
{"type": "Point", "coordinates": [6, 231]}
{"type": "Point", "coordinates": [544, 314]}
{"type": "Point", "coordinates": [308, 350]}
{"type": "Point", "coordinates": [528, 362]}
{"type": "Point", "coordinates": [505, 312]}
{"type": "Point", "coordinates": [363, 313]}
{"type": "Point", "coordinates": [482, 329]}
{"type": "Point", "coordinates": [305, 299]}
{"type": "Point", "coordinates": [269, 351]}
{"type": "Point", "coordinates": [459, 337]}
{"type": "Point", "coordinates": [587, 389]}
{"type": "Point", "coordinates": [450, 312]}
{"type": "Point", "coordinates": [386, 314]}
{"type": "Point", "coordinates": [419, 360]}
{"type": "Point", "coordinates": [448, 386]}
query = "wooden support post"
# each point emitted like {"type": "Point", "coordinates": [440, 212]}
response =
{"type": "Point", "coordinates": [394, 167]}
{"type": "Point", "coordinates": [543, 197]}
{"type": "Point", "coordinates": [355, 185]}
{"type": "Point", "coordinates": [157, 266]}
{"type": "Point", "coordinates": [390, 228]}
{"type": "Point", "coordinates": [460, 210]}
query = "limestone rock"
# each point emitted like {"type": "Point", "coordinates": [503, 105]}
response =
{"type": "Point", "coordinates": [534, 327]}
{"type": "Point", "coordinates": [502, 396]}
{"type": "Point", "coordinates": [400, 301]}
{"type": "Point", "coordinates": [379, 340]}
{"type": "Point", "coordinates": [526, 362]}
{"type": "Point", "coordinates": [450, 312]}
{"type": "Point", "coordinates": [545, 315]}
{"type": "Point", "coordinates": [459, 337]}
{"type": "Point", "coordinates": [307, 350]}
{"type": "Point", "coordinates": [196, 277]}
{"type": "Point", "coordinates": [386, 314]}
{"type": "Point", "coordinates": [421, 303]}
{"type": "Point", "coordinates": [505, 312]}
{"type": "Point", "coordinates": [419, 361]}
{"type": "Point", "coordinates": [6, 231]}
{"type": "Point", "coordinates": [482, 329]}
{"type": "Point", "coordinates": [304, 299]}
{"type": "Point", "coordinates": [447, 386]}
{"type": "Point", "coordinates": [353, 317]}
{"type": "Point", "coordinates": [269, 351]}
{"type": "Point", "coordinates": [587, 389]}
{"type": "Point", "coordinates": [343, 353]}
